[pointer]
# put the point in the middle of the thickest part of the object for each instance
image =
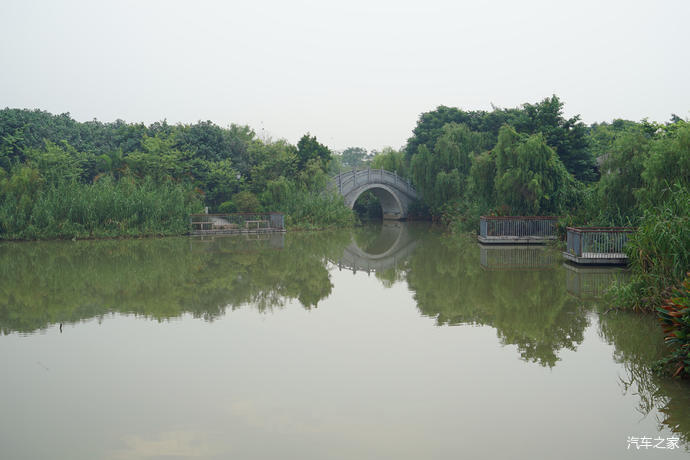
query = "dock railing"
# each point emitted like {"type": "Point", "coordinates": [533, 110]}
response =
{"type": "Point", "coordinates": [240, 222]}
{"type": "Point", "coordinates": [517, 228]}
{"type": "Point", "coordinates": [597, 242]}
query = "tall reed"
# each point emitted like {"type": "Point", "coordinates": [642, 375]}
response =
{"type": "Point", "coordinates": [106, 208]}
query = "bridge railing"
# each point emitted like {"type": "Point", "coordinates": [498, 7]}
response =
{"type": "Point", "coordinates": [236, 222]}
{"type": "Point", "coordinates": [598, 242]}
{"type": "Point", "coordinates": [351, 179]}
{"type": "Point", "coordinates": [542, 227]}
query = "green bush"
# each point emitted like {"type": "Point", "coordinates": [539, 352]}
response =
{"type": "Point", "coordinates": [106, 208]}
{"type": "Point", "coordinates": [246, 201]}
{"type": "Point", "coordinates": [658, 253]}
{"type": "Point", "coordinates": [227, 207]}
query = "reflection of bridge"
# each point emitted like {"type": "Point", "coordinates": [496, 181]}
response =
{"type": "Point", "coordinates": [390, 249]}
{"type": "Point", "coordinates": [394, 193]}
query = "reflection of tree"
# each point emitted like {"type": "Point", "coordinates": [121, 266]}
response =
{"type": "Point", "coordinates": [45, 283]}
{"type": "Point", "coordinates": [366, 236]}
{"type": "Point", "coordinates": [529, 309]}
{"type": "Point", "coordinates": [392, 275]}
{"type": "Point", "coordinates": [639, 343]}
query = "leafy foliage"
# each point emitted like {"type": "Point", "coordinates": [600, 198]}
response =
{"type": "Point", "coordinates": [674, 315]}
{"type": "Point", "coordinates": [659, 252]}
{"type": "Point", "coordinates": [107, 208]}
{"type": "Point", "coordinates": [530, 179]}
{"type": "Point", "coordinates": [43, 154]}
{"type": "Point", "coordinates": [568, 137]}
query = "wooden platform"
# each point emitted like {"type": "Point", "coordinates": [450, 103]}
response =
{"type": "Point", "coordinates": [515, 239]}
{"type": "Point", "coordinates": [597, 258]}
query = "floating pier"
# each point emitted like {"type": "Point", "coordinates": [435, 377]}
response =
{"type": "Point", "coordinates": [236, 223]}
{"type": "Point", "coordinates": [597, 245]}
{"type": "Point", "coordinates": [517, 229]}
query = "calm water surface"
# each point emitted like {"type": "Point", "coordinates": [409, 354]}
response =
{"type": "Point", "coordinates": [387, 342]}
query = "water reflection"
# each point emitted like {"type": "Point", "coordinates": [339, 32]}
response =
{"type": "Point", "coordinates": [533, 302]}
{"type": "Point", "coordinates": [528, 308]}
{"type": "Point", "coordinates": [521, 296]}
{"type": "Point", "coordinates": [382, 248]}
{"type": "Point", "coordinates": [46, 283]}
{"type": "Point", "coordinates": [588, 283]}
{"type": "Point", "coordinates": [638, 343]}
{"type": "Point", "coordinates": [517, 257]}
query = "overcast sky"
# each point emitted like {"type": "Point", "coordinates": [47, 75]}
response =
{"type": "Point", "coordinates": [353, 73]}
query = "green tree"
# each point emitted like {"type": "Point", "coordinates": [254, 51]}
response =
{"type": "Point", "coordinates": [353, 157]}
{"type": "Point", "coordinates": [246, 201]}
{"type": "Point", "coordinates": [621, 177]}
{"type": "Point", "coordinates": [530, 178]}
{"type": "Point", "coordinates": [441, 176]}
{"type": "Point", "coordinates": [390, 160]}
{"type": "Point", "coordinates": [668, 162]}
{"type": "Point", "coordinates": [567, 136]}
{"type": "Point", "coordinates": [308, 148]}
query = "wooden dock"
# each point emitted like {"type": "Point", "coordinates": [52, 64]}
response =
{"type": "Point", "coordinates": [597, 245]}
{"type": "Point", "coordinates": [236, 223]}
{"type": "Point", "coordinates": [517, 229]}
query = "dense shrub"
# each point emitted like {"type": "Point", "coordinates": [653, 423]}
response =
{"type": "Point", "coordinates": [246, 201]}
{"type": "Point", "coordinates": [105, 208]}
{"type": "Point", "coordinates": [659, 252]}
{"type": "Point", "coordinates": [674, 315]}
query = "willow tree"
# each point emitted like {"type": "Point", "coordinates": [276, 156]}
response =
{"type": "Point", "coordinates": [621, 177]}
{"type": "Point", "coordinates": [530, 178]}
{"type": "Point", "coordinates": [441, 175]}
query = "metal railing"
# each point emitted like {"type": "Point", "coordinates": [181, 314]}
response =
{"type": "Point", "coordinates": [239, 222]}
{"type": "Point", "coordinates": [518, 226]}
{"type": "Point", "coordinates": [598, 242]}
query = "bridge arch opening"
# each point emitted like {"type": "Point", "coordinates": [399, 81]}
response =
{"type": "Point", "coordinates": [391, 207]}
{"type": "Point", "coordinates": [368, 207]}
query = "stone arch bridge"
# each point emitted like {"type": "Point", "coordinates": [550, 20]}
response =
{"type": "Point", "coordinates": [394, 193]}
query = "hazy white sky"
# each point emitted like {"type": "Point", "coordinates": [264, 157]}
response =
{"type": "Point", "coordinates": [353, 73]}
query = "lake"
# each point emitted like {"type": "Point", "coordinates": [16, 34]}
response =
{"type": "Point", "coordinates": [389, 341]}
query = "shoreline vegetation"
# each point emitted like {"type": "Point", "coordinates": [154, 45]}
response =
{"type": "Point", "coordinates": [63, 179]}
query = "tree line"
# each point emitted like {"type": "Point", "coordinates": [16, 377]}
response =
{"type": "Point", "coordinates": [60, 178]}
{"type": "Point", "coordinates": [63, 178]}
{"type": "Point", "coordinates": [532, 160]}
